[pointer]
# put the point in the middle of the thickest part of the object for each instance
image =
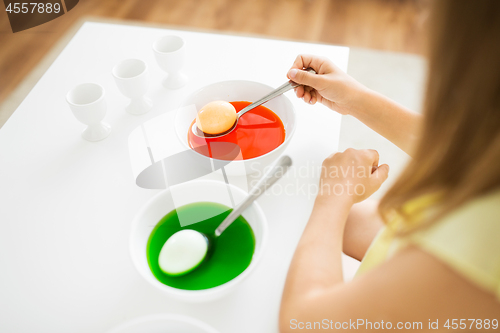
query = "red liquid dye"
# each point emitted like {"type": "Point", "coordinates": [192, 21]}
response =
{"type": "Point", "coordinates": [258, 132]}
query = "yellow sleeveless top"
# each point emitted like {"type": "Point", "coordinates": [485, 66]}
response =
{"type": "Point", "coordinates": [467, 240]}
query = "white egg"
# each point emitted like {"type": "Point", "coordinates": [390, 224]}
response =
{"type": "Point", "coordinates": [182, 252]}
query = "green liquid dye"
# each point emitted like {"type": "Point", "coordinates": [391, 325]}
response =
{"type": "Point", "coordinates": [229, 254]}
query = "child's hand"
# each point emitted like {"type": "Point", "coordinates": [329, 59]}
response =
{"type": "Point", "coordinates": [353, 175]}
{"type": "Point", "coordinates": [330, 86]}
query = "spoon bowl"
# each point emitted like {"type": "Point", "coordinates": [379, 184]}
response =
{"type": "Point", "coordinates": [196, 131]}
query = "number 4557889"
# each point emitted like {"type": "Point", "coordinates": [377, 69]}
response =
{"type": "Point", "coordinates": [33, 7]}
{"type": "Point", "coordinates": [479, 324]}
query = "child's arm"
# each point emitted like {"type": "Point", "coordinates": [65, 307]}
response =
{"type": "Point", "coordinates": [411, 287]}
{"type": "Point", "coordinates": [317, 265]}
{"type": "Point", "coordinates": [341, 93]}
{"type": "Point", "coordinates": [362, 225]}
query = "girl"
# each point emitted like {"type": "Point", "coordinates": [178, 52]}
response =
{"type": "Point", "coordinates": [431, 251]}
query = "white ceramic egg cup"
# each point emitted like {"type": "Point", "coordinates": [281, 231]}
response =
{"type": "Point", "coordinates": [131, 77]}
{"type": "Point", "coordinates": [88, 105]}
{"type": "Point", "coordinates": [170, 55]}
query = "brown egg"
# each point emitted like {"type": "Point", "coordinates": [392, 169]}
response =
{"type": "Point", "coordinates": [216, 117]}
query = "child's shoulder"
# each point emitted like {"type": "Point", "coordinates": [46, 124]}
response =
{"type": "Point", "coordinates": [468, 240]}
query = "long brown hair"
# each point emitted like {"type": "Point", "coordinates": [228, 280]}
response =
{"type": "Point", "coordinates": [458, 155]}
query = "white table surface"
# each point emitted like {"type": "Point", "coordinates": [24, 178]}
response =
{"type": "Point", "coordinates": [66, 205]}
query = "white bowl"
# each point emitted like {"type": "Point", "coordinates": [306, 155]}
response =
{"type": "Point", "coordinates": [195, 191]}
{"type": "Point", "coordinates": [238, 90]}
{"type": "Point", "coordinates": [163, 323]}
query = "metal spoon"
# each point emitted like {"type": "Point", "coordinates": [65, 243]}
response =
{"type": "Point", "coordinates": [271, 177]}
{"type": "Point", "coordinates": [275, 93]}
{"type": "Point", "coordinates": [199, 256]}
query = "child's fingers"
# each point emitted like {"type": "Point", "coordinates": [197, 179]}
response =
{"type": "Point", "coordinates": [299, 91]}
{"type": "Point", "coordinates": [307, 96]}
{"type": "Point", "coordinates": [309, 91]}
{"type": "Point", "coordinates": [314, 97]}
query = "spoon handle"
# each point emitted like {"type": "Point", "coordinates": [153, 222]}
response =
{"type": "Point", "coordinates": [275, 93]}
{"type": "Point", "coordinates": [278, 170]}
